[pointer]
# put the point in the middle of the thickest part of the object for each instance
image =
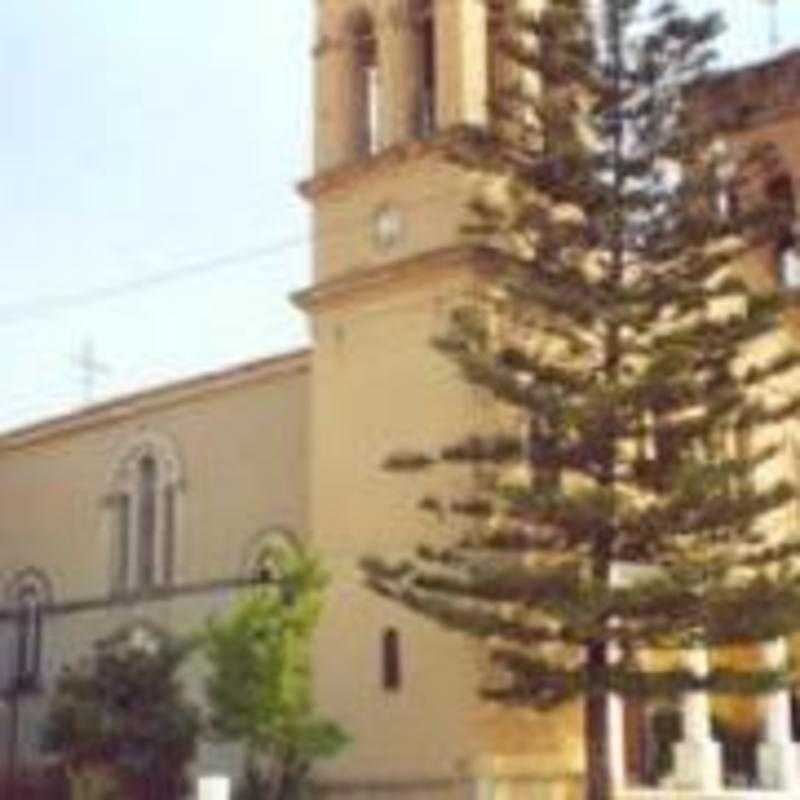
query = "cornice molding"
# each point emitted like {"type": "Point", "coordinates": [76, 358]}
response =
{"type": "Point", "coordinates": [345, 175]}
{"type": "Point", "coordinates": [132, 405]}
{"type": "Point", "coordinates": [360, 280]}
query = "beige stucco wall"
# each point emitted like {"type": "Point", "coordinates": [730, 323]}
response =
{"type": "Point", "coordinates": [243, 442]}
{"type": "Point", "coordinates": [305, 450]}
{"type": "Point", "coordinates": [430, 195]}
{"type": "Point", "coordinates": [245, 457]}
{"type": "Point", "coordinates": [378, 386]}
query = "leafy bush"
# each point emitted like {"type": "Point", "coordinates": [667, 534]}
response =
{"type": "Point", "coordinates": [259, 686]}
{"type": "Point", "coordinates": [122, 713]}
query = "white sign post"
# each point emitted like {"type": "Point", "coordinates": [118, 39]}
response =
{"type": "Point", "coordinates": [213, 787]}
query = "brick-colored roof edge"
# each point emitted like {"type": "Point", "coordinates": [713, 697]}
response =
{"type": "Point", "coordinates": [782, 59]}
{"type": "Point", "coordinates": [752, 94]}
{"type": "Point", "coordinates": [129, 405]}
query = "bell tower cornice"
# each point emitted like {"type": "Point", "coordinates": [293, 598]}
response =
{"type": "Point", "coordinates": [350, 173]}
{"type": "Point", "coordinates": [431, 266]}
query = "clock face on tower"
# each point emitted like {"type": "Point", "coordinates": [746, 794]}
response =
{"type": "Point", "coordinates": [387, 225]}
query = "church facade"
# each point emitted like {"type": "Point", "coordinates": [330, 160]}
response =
{"type": "Point", "coordinates": [182, 484]}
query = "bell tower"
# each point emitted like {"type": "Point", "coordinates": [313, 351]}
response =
{"type": "Point", "coordinates": [404, 69]}
{"type": "Point", "coordinates": [395, 82]}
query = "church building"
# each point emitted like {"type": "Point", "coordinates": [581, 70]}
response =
{"type": "Point", "coordinates": [182, 484]}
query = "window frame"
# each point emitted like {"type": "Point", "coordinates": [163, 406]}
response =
{"type": "Point", "coordinates": [391, 660]}
{"type": "Point", "coordinates": [125, 502]}
{"type": "Point", "coordinates": [366, 84]}
{"type": "Point", "coordinates": [425, 60]}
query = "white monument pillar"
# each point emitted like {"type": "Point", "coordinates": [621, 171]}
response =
{"type": "Point", "coordinates": [616, 742]}
{"type": "Point", "coordinates": [213, 787]}
{"type": "Point", "coordinates": [777, 754]}
{"type": "Point", "coordinates": [698, 758]}
{"type": "Point", "coordinates": [616, 730]}
{"type": "Point", "coordinates": [488, 779]}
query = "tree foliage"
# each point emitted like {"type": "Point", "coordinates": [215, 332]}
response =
{"type": "Point", "coordinates": [121, 713]}
{"type": "Point", "coordinates": [259, 686]}
{"type": "Point", "coordinates": [616, 329]}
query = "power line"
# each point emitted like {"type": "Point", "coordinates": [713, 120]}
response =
{"type": "Point", "coordinates": [46, 305]}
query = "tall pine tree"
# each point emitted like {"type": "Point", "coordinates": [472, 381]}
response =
{"type": "Point", "coordinates": [617, 329]}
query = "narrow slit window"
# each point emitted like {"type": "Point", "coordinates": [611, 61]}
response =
{"type": "Point", "coordinates": [780, 196]}
{"type": "Point", "coordinates": [425, 122]}
{"type": "Point", "coordinates": [724, 196]}
{"type": "Point", "coordinates": [788, 257]}
{"type": "Point", "coordinates": [392, 677]}
{"type": "Point", "coordinates": [147, 521]}
{"type": "Point", "coordinates": [29, 638]}
{"type": "Point", "coordinates": [169, 535]}
{"type": "Point", "coordinates": [727, 204]}
{"type": "Point", "coordinates": [367, 87]}
{"type": "Point", "coordinates": [123, 508]}
{"type": "Point", "coordinates": [498, 65]}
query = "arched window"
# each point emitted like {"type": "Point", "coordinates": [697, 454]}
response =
{"type": "Point", "coordinates": [779, 192]}
{"type": "Point", "coordinates": [366, 84]}
{"type": "Point", "coordinates": [423, 22]}
{"type": "Point", "coordinates": [27, 593]}
{"type": "Point", "coordinates": [29, 638]}
{"type": "Point", "coordinates": [143, 514]}
{"type": "Point", "coordinates": [499, 68]}
{"type": "Point", "coordinates": [725, 203]}
{"type": "Point", "coordinates": [788, 258]}
{"type": "Point", "coordinates": [390, 660]}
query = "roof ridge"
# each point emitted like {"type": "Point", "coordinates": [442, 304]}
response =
{"type": "Point", "coordinates": [228, 376]}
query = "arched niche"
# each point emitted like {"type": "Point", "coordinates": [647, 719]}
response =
{"type": "Point", "coordinates": [424, 67]}
{"type": "Point", "coordinates": [261, 548]}
{"type": "Point", "coordinates": [363, 82]}
{"type": "Point", "coordinates": [780, 195]}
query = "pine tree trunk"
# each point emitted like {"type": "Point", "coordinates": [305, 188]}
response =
{"type": "Point", "coordinates": [598, 784]}
{"type": "Point", "coordinates": [596, 725]}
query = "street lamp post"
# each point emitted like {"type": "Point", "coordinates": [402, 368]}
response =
{"type": "Point", "coordinates": [25, 672]}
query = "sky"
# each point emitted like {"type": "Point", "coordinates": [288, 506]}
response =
{"type": "Point", "coordinates": [149, 151]}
